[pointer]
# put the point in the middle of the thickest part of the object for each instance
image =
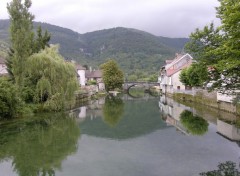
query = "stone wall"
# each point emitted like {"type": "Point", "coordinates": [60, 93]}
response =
{"type": "Point", "coordinates": [208, 99]}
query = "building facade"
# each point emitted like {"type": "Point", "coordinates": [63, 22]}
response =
{"type": "Point", "coordinates": [169, 74]}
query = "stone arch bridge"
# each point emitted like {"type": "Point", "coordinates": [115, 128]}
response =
{"type": "Point", "coordinates": [146, 85]}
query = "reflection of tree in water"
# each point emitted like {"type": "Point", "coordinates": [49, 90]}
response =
{"type": "Point", "coordinates": [224, 169]}
{"type": "Point", "coordinates": [138, 118]}
{"type": "Point", "coordinates": [194, 124]}
{"type": "Point", "coordinates": [113, 110]}
{"type": "Point", "coordinates": [136, 91]}
{"type": "Point", "coordinates": [37, 147]}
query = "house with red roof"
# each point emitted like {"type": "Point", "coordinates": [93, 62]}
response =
{"type": "Point", "coordinates": [95, 75]}
{"type": "Point", "coordinates": [84, 76]}
{"type": "Point", "coordinates": [169, 74]}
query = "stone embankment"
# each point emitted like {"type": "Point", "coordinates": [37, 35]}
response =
{"type": "Point", "coordinates": [208, 99]}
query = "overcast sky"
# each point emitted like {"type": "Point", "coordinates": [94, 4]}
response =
{"type": "Point", "coordinates": [170, 18]}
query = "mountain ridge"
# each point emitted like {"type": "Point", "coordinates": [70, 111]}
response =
{"type": "Point", "coordinates": [131, 48]}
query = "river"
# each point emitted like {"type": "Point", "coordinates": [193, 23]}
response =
{"type": "Point", "coordinates": [120, 137]}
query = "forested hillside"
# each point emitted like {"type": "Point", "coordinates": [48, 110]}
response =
{"type": "Point", "coordinates": [131, 48]}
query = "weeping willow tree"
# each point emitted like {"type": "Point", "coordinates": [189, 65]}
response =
{"type": "Point", "coordinates": [50, 80]}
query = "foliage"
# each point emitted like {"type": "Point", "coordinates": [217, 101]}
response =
{"type": "Point", "coordinates": [141, 75]}
{"type": "Point", "coordinates": [203, 42]}
{"type": "Point", "coordinates": [184, 77]}
{"type": "Point", "coordinates": [194, 124]}
{"type": "Point", "coordinates": [132, 78]}
{"type": "Point", "coordinates": [10, 102]}
{"type": "Point", "coordinates": [224, 169]}
{"type": "Point", "coordinates": [52, 80]}
{"type": "Point", "coordinates": [195, 75]}
{"type": "Point", "coordinates": [21, 37]}
{"type": "Point", "coordinates": [41, 40]}
{"type": "Point", "coordinates": [113, 110]}
{"type": "Point", "coordinates": [136, 91]}
{"type": "Point", "coordinates": [38, 145]}
{"type": "Point", "coordinates": [92, 82]}
{"type": "Point", "coordinates": [112, 75]}
{"type": "Point", "coordinates": [132, 49]}
{"type": "Point", "coordinates": [219, 48]}
{"type": "Point", "coordinates": [23, 43]}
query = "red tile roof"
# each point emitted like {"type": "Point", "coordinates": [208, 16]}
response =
{"type": "Point", "coordinates": [176, 64]}
{"type": "Point", "coordinates": [93, 74]}
{"type": "Point", "coordinates": [79, 67]}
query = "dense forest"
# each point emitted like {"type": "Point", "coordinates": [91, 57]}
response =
{"type": "Point", "coordinates": [132, 49]}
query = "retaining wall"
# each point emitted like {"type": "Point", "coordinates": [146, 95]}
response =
{"type": "Point", "coordinates": [208, 99]}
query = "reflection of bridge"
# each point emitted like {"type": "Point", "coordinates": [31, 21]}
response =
{"type": "Point", "coordinates": [146, 85]}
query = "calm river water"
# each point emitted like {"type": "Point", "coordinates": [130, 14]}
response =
{"type": "Point", "coordinates": [120, 137]}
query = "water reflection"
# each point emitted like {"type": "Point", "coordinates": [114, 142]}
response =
{"type": "Point", "coordinates": [194, 124]}
{"type": "Point", "coordinates": [227, 168]}
{"type": "Point", "coordinates": [136, 142]}
{"type": "Point", "coordinates": [37, 146]}
{"type": "Point", "coordinates": [171, 111]}
{"type": "Point", "coordinates": [119, 118]}
{"type": "Point", "coordinates": [193, 121]}
{"type": "Point", "coordinates": [113, 110]}
{"type": "Point", "coordinates": [228, 130]}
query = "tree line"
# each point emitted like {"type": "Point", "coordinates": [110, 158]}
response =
{"type": "Point", "coordinates": [217, 52]}
{"type": "Point", "coordinates": [38, 77]}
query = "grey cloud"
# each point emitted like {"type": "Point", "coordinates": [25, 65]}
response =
{"type": "Point", "coordinates": [172, 18]}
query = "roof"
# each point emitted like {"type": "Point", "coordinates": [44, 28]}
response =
{"type": "Point", "coordinates": [176, 62]}
{"type": "Point", "coordinates": [168, 61]}
{"type": "Point", "coordinates": [93, 74]}
{"type": "Point", "coordinates": [79, 67]}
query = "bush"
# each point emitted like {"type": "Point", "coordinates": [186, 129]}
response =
{"type": "Point", "coordinates": [92, 82]}
{"type": "Point", "coordinates": [11, 104]}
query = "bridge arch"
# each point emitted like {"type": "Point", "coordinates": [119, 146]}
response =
{"type": "Point", "coordinates": [147, 85]}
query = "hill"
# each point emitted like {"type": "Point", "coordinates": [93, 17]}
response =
{"type": "Point", "coordinates": [133, 49]}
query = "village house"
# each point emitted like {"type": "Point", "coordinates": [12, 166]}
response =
{"type": "Point", "coordinates": [95, 75]}
{"type": "Point", "coordinates": [169, 74]}
{"type": "Point", "coordinates": [84, 76]}
{"type": "Point", "coordinates": [81, 74]}
{"type": "Point", "coordinates": [3, 67]}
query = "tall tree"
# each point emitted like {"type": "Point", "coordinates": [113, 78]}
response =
{"type": "Point", "coordinates": [21, 32]}
{"type": "Point", "coordinates": [219, 48]}
{"type": "Point", "coordinates": [50, 80]}
{"type": "Point", "coordinates": [203, 42]}
{"type": "Point", "coordinates": [41, 40]}
{"type": "Point", "coordinates": [112, 76]}
{"type": "Point", "coordinates": [229, 14]}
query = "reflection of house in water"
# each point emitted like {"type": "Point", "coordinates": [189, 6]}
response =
{"type": "Point", "coordinates": [227, 130]}
{"type": "Point", "coordinates": [171, 111]}
{"type": "Point", "coordinates": [93, 110]}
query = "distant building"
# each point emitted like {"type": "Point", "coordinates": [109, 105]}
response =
{"type": "Point", "coordinates": [81, 74]}
{"type": "Point", "coordinates": [3, 67]}
{"type": "Point", "coordinates": [169, 74]}
{"type": "Point", "coordinates": [95, 75]}
{"type": "Point", "coordinates": [89, 75]}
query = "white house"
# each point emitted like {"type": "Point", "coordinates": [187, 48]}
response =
{"type": "Point", "coordinates": [86, 75]}
{"type": "Point", "coordinates": [81, 74]}
{"type": "Point", "coordinates": [3, 67]}
{"type": "Point", "coordinates": [169, 74]}
{"type": "Point", "coordinates": [95, 75]}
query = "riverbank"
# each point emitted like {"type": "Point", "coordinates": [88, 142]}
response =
{"type": "Point", "coordinates": [208, 99]}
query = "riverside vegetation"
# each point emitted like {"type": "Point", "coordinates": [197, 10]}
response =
{"type": "Point", "coordinates": [39, 78]}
